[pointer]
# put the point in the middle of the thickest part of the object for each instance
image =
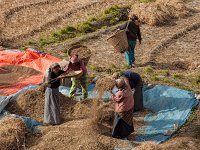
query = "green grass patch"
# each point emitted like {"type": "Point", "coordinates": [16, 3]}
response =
{"type": "Point", "coordinates": [164, 72]}
{"type": "Point", "coordinates": [177, 84]}
{"type": "Point", "coordinates": [109, 17]}
{"type": "Point", "coordinates": [178, 76]}
{"type": "Point", "coordinates": [85, 27]}
{"type": "Point", "coordinates": [196, 80]}
{"type": "Point", "coordinates": [148, 70]}
{"type": "Point", "coordinates": [155, 78]}
{"type": "Point", "coordinates": [96, 68]}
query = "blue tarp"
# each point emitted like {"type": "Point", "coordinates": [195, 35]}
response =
{"type": "Point", "coordinates": [169, 105]}
{"type": "Point", "coordinates": [4, 100]}
{"type": "Point", "coordinates": [30, 123]}
{"type": "Point", "coordinates": [91, 93]}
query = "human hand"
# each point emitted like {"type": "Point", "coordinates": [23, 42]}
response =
{"type": "Point", "coordinates": [60, 77]}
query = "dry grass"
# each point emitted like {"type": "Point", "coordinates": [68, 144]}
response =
{"type": "Point", "coordinates": [146, 146]}
{"type": "Point", "coordinates": [21, 19]}
{"type": "Point", "coordinates": [12, 133]}
{"type": "Point", "coordinates": [31, 104]}
{"type": "Point", "coordinates": [104, 84]}
{"type": "Point", "coordinates": [160, 11]}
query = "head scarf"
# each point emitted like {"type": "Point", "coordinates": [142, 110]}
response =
{"type": "Point", "coordinates": [54, 65]}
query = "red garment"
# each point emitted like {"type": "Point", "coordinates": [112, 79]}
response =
{"type": "Point", "coordinates": [123, 99]}
{"type": "Point", "coordinates": [76, 66]}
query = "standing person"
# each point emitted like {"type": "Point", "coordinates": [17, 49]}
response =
{"type": "Point", "coordinates": [136, 84]}
{"type": "Point", "coordinates": [76, 64]}
{"type": "Point", "coordinates": [124, 103]}
{"type": "Point", "coordinates": [133, 33]}
{"type": "Point", "coordinates": [51, 107]}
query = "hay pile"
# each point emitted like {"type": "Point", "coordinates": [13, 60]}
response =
{"type": "Point", "coordinates": [160, 11]}
{"type": "Point", "coordinates": [104, 84]}
{"type": "Point", "coordinates": [31, 104]}
{"type": "Point", "coordinates": [81, 134]}
{"type": "Point", "coordinates": [85, 108]}
{"type": "Point", "coordinates": [105, 114]}
{"type": "Point", "coordinates": [12, 133]}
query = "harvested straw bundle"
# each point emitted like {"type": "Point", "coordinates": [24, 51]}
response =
{"type": "Point", "coordinates": [12, 133]}
{"type": "Point", "coordinates": [104, 84]}
{"type": "Point", "coordinates": [104, 113]}
{"type": "Point", "coordinates": [160, 11]}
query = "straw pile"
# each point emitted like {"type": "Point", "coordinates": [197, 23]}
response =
{"type": "Point", "coordinates": [160, 11]}
{"type": "Point", "coordinates": [31, 104]}
{"type": "Point", "coordinates": [104, 84]}
{"type": "Point", "coordinates": [78, 134]}
{"type": "Point", "coordinates": [105, 114]}
{"type": "Point", "coordinates": [12, 133]}
{"type": "Point", "coordinates": [85, 108]}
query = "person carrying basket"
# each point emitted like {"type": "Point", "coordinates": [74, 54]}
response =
{"type": "Point", "coordinates": [133, 33]}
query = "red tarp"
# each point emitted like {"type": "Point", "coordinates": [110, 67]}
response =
{"type": "Point", "coordinates": [28, 58]}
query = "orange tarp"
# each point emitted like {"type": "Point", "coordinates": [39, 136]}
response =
{"type": "Point", "coordinates": [28, 58]}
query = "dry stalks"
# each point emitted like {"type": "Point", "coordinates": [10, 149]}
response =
{"type": "Point", "coordinates": [160, 11]}
{"type": "Point", "coordinates": [104, 84]}
{"type": "Point", "coordinates": [12, 133]}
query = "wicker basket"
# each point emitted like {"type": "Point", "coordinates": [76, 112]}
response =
{"type": "Point", "coordinates": [84, 59]}
{"type": "Point", "coordinates": [119, 41]}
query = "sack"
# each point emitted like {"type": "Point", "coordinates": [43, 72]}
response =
{"type": "Point", "coordinates": [119, 40]}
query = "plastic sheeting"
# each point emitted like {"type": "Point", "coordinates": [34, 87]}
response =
{"type": "Point", "coordinates": [171, 107]}
{"type": "Point", "coordinates": [29, 58]}
{"type": "Point", "coordinates": [29, 122]}
{"type": "Point", "coordinates": [91, 93]}
{"type": "Point", "coordinates": [4, 100]}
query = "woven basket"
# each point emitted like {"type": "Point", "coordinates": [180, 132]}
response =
{"type": "Point", "coordinates": [119, 41]}
{"type": "Point", "coordinates": [84, 59]}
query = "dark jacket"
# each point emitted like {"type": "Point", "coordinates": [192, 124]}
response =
{"type": "Point", "coordinates": [133, 32]}
{"type": "Point", "coordinates": [133, 77]}
{"type": "Point", "coordinates": [53, 83]}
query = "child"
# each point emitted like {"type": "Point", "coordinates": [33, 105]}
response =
{"type": "Point", "coordinates": [124, 103]}
{"type": "Point", "coordinates": [75, 65]}
{"type": "Point", "coordinates": [51, 107]}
